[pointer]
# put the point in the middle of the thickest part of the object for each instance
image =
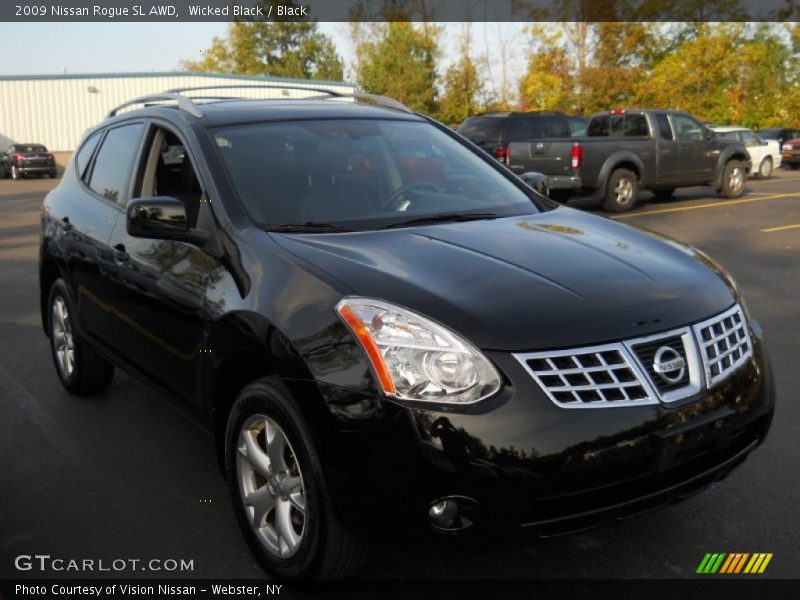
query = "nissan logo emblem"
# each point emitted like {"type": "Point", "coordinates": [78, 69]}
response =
{"type": "Point", "coordinates": [668, 364]}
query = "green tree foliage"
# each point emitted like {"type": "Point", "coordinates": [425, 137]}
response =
{"type": "Point", "coordinates": [728, 73]}
{"type": "Point", "coordinates": [399, 60]}
{"type": "Point", "coordinates": [549, 83]}
{"type": "Point", "coordinates": [280, 49]}
{"type": "Point", "coordinates": [462, 86]}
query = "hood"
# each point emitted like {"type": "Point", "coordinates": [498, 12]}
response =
{"type": "Point", "coordinates": [553, 280]}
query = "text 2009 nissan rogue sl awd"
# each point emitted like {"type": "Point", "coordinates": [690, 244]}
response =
{"type": "Point", "coordinates": [387, 330]}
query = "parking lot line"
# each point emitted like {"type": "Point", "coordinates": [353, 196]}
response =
{"type": "Point", "coordinates": [709, 205]}
{"type": "Point", "coordinates": [781, 228]}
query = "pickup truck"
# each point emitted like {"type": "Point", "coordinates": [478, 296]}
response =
{"type": "Point", "coordinates": [628, 150]}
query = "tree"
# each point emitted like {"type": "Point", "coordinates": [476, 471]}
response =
{"type": "Point", "coordinates": [399, 60]}
{"type": "Point", "coordinates": [280, 49]}
{"type": "Point", "coordinates": [728, 73]}
{"type": "Point", "coordinates": [462, 85]}
{"type": "Point", "coordinates": [549, 83]}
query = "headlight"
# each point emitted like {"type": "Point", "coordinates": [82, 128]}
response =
{"type": "Point", "coordinates": [787, 147]}
{"type": "Point", "coordinates": [414, 358]}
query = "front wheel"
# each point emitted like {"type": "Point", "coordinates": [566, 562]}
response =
{"type": "Point", "coordinates": [278, 491]}
{"type": "Point", "coordinates": [82, 371]}
{"type": "Point", "coordinates": [621, 191]}
{"type": "Point", "coordinates": [734, 176]}
{"type": "Point", "coordinates": [765, 170]}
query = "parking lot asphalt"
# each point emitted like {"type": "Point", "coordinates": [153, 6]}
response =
{"type": "Point", "coordinates": [128, 475]}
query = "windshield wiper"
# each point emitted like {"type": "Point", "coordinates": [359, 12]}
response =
{"type": "Point", "coordinates": [443, 218]}
{"type": "Point", "coordinates": [308, 227]}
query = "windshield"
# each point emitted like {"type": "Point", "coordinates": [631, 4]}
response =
{"type": "Point", "coordinates": [361, 175]}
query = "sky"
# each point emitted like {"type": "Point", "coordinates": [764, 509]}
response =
{"type": "Point", "coordinates": [107, 47]}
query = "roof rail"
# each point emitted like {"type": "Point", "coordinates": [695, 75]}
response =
{"type": "Point", "coordinates": [323, 93]}
{"type": "Point", "coordinates": [184, 103]}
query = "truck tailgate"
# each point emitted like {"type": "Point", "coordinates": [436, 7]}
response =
{"type": "Point", "coordinates": [550, 157]}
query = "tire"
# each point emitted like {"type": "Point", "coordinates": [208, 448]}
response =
{"type": "Point", "coordinates": [53, 174]}
{"type": "Point", "coordinates": [734, 176]}
{"type": "Point", "coordinates": [290, 543]}
{"type": "Point", "coordinates": [663, 193]}
{"type": "Point", "coordinates": [621, 191]}
{"type": "Point", "coordinates": [765, 169]}
{"type": "Point", "coordinates": [82, 371]}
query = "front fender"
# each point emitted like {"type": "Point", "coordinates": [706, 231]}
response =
{"type": "Point", "coordinates": [730, 152]}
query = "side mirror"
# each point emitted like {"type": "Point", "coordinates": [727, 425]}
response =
{"type": "Point", "coordinates": [159, 218]}
{"type": "Point", "coordinates": [708, 134]}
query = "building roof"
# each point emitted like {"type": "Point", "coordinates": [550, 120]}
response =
{"type": "Point", "coordinates": [129, 75]}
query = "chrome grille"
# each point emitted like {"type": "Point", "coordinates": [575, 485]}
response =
{"type": "Point", "coordinates": [724, 344]}
{"type": "Point", "coordinates": [589, 377]}
{"type": "Point", "coordinates": [624, 373]}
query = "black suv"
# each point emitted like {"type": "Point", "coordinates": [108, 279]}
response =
{"type": "Point", "coordinates": [27, 159]}
{"type": "Point", "coordinates": [387, 331]}
{"type": "Point", "coordinates": [493, 132]}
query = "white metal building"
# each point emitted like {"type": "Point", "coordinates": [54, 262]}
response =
{"type": "Point", "coordinates": [55, 110]}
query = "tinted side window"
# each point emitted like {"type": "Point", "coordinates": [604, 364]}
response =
{"type": "Point", "coordinates": [114, 161]}
{"type": "Point", "coordinates": [664, 129]}
{"type": "Point", "coordinates": [599, 126]}
{"type": "Point", "coordinates": [522, 129]}
{"type": "Point", "coordinates": [482, 129]}
{"type": "Point", "coordinates": [749, 138]}
{"type": "Point", "coordinates": [635, 126]}
{"type": "Point", "coordinates": [85, 153]}
{"type": "Point", "coordinates": [728, 135]}
{"type": "Point", "coordinates": [687, 128]}
{"type": "Point", "coordinates": [558, 127]}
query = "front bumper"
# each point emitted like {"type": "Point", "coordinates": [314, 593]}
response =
{"type": "Point", "coordinates": [527, 465]}
{"type": "Point", "coordinates": [791, 157]}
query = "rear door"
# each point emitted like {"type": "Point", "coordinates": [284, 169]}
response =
{"type": "Point", "coordinates": [667, 156]}
{"type": "Point", "coordinates": [104, 163]}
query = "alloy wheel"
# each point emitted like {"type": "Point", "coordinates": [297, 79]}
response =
{"type": "Point", "coordinates": [736, 179]}
{"type": "Point", "coordinates": [624, 191]}
{"type": "Point", "coordinates": [271, 486]}
{"type": "Point", "coordinates": [63, 341]}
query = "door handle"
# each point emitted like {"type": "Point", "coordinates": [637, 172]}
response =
{"type": "Point", "coordinates": [120, 255]}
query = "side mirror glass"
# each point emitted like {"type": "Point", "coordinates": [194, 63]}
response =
{"type": "Point", "coordinates": [708, 134]}
{"type": "Point", "coordinates": [158, 218]}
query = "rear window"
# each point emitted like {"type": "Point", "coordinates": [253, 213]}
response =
{"type": "Point", "coordinates": [599, 126]}
{"type": "Point", "coordinates": [635, 126]}
{"type": "Point", "coordinates": [525, 128]}
{"type": "Point", "coordinates": [577, 126]}
{"type": "Point", "coordinates": [29, 148]}
{"type": "Point", "coordinates": [483, 129]}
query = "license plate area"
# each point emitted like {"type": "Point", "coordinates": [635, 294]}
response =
{"type": "Point", "coordinates": [683, 443]}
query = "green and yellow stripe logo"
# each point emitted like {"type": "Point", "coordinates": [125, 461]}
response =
{"type": "Point", "coordinates": [734, 563]}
